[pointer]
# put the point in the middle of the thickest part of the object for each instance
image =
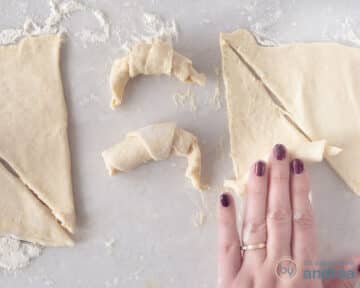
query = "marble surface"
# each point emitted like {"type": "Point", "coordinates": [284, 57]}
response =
{"type": "Point", "coordinates": [135, 230]}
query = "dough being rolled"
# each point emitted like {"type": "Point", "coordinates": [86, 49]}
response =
{"type": "Point", "coordinates": [150, 59]}
{"type": "Point", "coordinates": [156, 142]}
{"type": "Point", "coordinates": [316, 86]}
{"type": "Point", "coordinates": [257, 122]}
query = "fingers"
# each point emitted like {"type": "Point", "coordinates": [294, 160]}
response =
{"type": "Point", "coordinates": [304, 240]}
{"type": "Point", "coordinates": [229, 256]}
{"type": "Point", "coordinates": [254, 223]}
{"type": "Point", "coordinates": [279, 215]}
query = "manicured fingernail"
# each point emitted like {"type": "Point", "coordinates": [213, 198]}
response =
{"type": "Point", "coordinates": [358, 268]}
{"type": "Point", "coordinates": [259, 168]}
{"type": "Point", "coordinates": [297, 166]}
{"type": "Point", "coordinates": [225, 200]}
{"type": "Point", "coordinates": [279, 151]}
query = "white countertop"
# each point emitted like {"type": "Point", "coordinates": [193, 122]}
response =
{"type": "Point", "coordinates": [148, 213]}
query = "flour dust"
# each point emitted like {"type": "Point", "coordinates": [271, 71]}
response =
{"type": "Point", "coordinates": [15, 254]}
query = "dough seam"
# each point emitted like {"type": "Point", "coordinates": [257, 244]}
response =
{"type": "Point", "coordinates": [32, 191]}
{"type": "Point", "coordinates": [275, 100]}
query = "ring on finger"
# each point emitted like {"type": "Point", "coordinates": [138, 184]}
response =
{"type": "Point", "coordinates": [253, 246]}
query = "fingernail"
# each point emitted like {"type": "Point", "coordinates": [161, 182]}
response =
{"type": "Point", "coordinates": [279, 151]}
{"type": "Point", "coordinates": [259, 168]}
{"type": "Point", "coordinates": [358, 268]}
{"type": "Point", "coordinates": [297, 166]}
{"type": "Point", "coordinates": [224, 200]}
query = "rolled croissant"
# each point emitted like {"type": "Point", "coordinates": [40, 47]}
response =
{"type": "Point", "coordinates": [150, 59]}
{"type": "Point", "coordinates": [156, 142]}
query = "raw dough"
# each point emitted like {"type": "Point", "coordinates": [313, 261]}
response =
{"type": "Point", "coordinates": [34, 143]}
{"type": "Point", "coordinates": [150, 59]}
{"type": "Point", "coordinates": [256, 121]}
{"type": "Point", "coordinates": [156, 142]}
{"type": "Point", "coordinates": [23, 215]}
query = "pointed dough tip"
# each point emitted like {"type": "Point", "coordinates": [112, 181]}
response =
{"type": "Point", "coordinates": [333, 150]}
{"type": "Point", "coordinates": [236, 185]}
{"type": "Point", "coordinates": [114, 103]}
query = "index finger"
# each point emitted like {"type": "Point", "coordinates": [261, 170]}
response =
{"type": "Point", "coordinates": [229, 253]}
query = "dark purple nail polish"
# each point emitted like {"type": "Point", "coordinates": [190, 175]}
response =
{"type": "Point", "coordinates": [259, 168]}
{"type": "Point", "coordinates": [358, 268]}
{"type": "Point", "coordinates": [279, 151]}
{"type": "Point", "coordinates": [297, 166]}
{"type": "Point", "coordinates": [225, 200]}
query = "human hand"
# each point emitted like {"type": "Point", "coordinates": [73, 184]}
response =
{"type": "Point", "coordinates": [277, 213]}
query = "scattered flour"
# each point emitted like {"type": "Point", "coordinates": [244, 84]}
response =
{"type": "Point", "coordinates": [188, 97]}
{"type": "Point", "coordinates": [344, 32]}
{"type": "Point", "coordinates": [112, 283]}
{"type": "Point", "coordinates": [141, 26]}
{"type": "Point", "coordinates": [206, 21]}
{"type": "Point", "coordinates": [90, 36]}
{"type": "Point", "coordinates": [156, 27]}
{"type": "Point", "coordinates": [109, 245]}
{"type": "Point", "coordinates": [264, 15]}
{"type": "Point", "coordinates": [89, 99]}
{"type": "Point", "coordinates": [59, 11]}
{"type": "Point", "coordinates": [15, 254]}
{"type": "Point", "coordinates": [49, 283]}
{"type": "Point", "coordinates": [10, 35]}
{"type": "Point", "coordinates": [215, 100]}
{"type": "Point", "coordinates": [199, 218]}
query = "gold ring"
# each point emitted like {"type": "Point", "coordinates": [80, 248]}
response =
{"type": "Point", "coordinates": [253, 247]}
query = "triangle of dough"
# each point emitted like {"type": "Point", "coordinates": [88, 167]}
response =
{"type": "Point", "coordinates": [255, 123]}
{"type": "Point", "coordinates": [317, 85]}
{"type": "Point", "coordinates": [33, 122]}
{"type": "Point", "coordinates": [25, 217]}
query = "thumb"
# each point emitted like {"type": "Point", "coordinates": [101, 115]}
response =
{"type": "Point", "coordinates": [345, 276]}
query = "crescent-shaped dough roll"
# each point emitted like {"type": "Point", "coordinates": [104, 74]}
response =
{"type": "Point", "coordinates": [156, 142]}
{"type": "Point", "coordinates": [314, 151]}
{"type": "Point", "coordinates": [154, 58]}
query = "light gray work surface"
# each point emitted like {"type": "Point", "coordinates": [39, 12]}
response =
{"type": "Point", "coordinates": [148, 212]}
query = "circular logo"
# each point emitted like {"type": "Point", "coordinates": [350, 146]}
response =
{"type": "Point", "coordinates": [285, 269]}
